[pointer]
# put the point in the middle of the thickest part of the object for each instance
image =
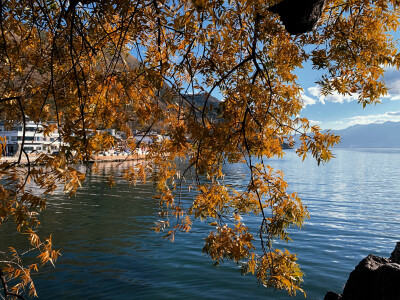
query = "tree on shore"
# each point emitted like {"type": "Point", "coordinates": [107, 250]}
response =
{"type": "Point", "coordinates": [68, 65]}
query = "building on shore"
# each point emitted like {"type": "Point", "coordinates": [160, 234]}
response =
{"type": "Point", "coordinates": [35, 141]}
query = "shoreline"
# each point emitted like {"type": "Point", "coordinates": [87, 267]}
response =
{"type": "Point", "coordinates": [95, 159]}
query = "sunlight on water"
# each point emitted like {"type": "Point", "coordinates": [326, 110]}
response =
{"type": "Point", "coordinates": [110, 251]}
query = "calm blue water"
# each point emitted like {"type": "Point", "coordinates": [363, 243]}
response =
{"type": "Point", "coordinates": [110, 251]}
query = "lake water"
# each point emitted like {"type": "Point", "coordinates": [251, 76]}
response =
{"type": "Point", "coordinates": [109, 250]}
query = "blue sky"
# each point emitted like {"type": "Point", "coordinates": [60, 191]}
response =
{"type": "Point", "coordinates": [338, 112]}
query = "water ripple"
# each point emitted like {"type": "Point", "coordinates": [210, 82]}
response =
{"type": "Point", "coordinates": [111, 252]}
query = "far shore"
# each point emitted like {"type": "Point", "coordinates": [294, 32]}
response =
{"type": "Point", "coordinates": [95, 159]}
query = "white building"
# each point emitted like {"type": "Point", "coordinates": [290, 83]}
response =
{"type": "Point", "coordinates": [35, 141]}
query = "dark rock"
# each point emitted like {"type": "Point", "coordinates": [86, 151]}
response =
{"type": "Point", "coordinates": [395, 256]}
{"type": "Point", "coordinates": [299, 16]}
{"type": "Point", "coordinates": [374, 278]}
{"type": "Point", "coordinates": [332, 296]}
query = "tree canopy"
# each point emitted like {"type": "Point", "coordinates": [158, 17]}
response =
{"type": "Point", "coordinates": [83, 67]}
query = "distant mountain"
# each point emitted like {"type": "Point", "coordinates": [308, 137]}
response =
{"type": "Point", "coordinates": [386, 135]}
{"type": "Point", "coordinates": [198, 100]}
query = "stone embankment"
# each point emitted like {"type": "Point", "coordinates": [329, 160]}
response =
{"type": "Point", "coordinates": [374, 278]}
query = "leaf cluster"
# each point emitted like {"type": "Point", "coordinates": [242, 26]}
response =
{"type": "Point", "coordinates": [85, 68]}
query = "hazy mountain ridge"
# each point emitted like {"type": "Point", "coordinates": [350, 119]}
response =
{"type": "Point", "coordinates": [385, 135]}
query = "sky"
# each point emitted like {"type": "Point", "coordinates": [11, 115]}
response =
{"type": "Point", "coordinates": [339, 112]}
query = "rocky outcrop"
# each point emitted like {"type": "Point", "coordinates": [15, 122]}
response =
{"type": "Point", "coordinates": [332, 296]}
{"type": "Point", "coordinates": [374, 278]}
{"type": "Point", "coordinates": [395, 256]}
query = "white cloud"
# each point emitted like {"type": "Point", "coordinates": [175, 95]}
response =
{"type": "Point", "coordinates": [393, 116]}
{"type": "Point", "coordinates": [307, 100]}
{"type": "Point", "coordinates": [391, 77]}
{"type": "Point", "coordinates": [392, 80]}
{"type": "Point", "coordinates": [394, 86]}
{"type": "Point", "coordinates": [315, 96]}
{"type": "Point", "coordinates": [394, 113]}
{"type": "Point", "coordinates": [314, 90]}
{"type": "Point", "coordinates": [335, 97]}
{"type": "Point", "coordinates": [394, 98]}
{"type": "Point", "coordinates": [314, 122]}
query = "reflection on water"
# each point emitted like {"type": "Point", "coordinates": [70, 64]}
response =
{"type": "Point", "coordinates": [110, 251]}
